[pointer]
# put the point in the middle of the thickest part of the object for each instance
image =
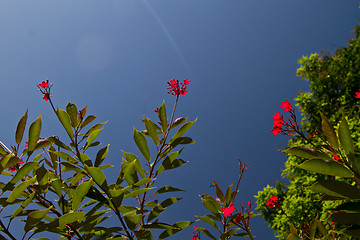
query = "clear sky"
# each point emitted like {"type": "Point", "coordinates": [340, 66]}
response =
{"type": "Point", "coordinates": [116, 56]}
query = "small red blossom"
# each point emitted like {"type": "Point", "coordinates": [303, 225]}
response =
{"type": "Point", "coordinates": [45, 97]}
{"type": "Point", "coordinates": [178, 89]}
{"type": "Point", "coordinates": [44, 84]}
{"type": "Point", "coordinates": [26, 144]}
{"type": "Point", "coordinates": [228, 210]}
{"type": "Point", "coordinates": [273, 202]}
{"type": "Point", "coordinates": [13, 168]}
{"type": "Point", "coordinates": [357, 95]}
{"type": "Point", "coordinates": [286, 105]}
{"type": "Point", "coordinates": [195, 228]}
{"type": "Point", "coordinates": [195, 236]}
{"type": "Point", "coordinates": [336, 158]}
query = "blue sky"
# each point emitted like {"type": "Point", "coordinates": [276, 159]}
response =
{"type": "Point", "coordinates": [116, 56]}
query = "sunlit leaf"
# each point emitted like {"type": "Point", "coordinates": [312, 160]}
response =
{"type": "Point", "coordinates": [175, 228]}
{"type": "Point", "coordinates": [34, 218]}
{"type": "Point", "coordinates": [19, 189]}
{"type": "Point", "coordinates": [332, 168]}
{"type": "Point", "coordinates": [182, 130]}
{"type": "Point", "coordinates": [329, 132]}
{"type": "Point", "coordinates": [22, 172]}
{"type": "Point", "coordinates": [167, 189]}
{"type": "Point", "coordinates": [72, 112]}
{"type": "Point", "coordinates": [209, 221]}
{"type": "Point", "coordinates": [21, 128]}
{"type": "Point", "coordinates": [87, 120]}
{"type": "Point", "coordinates": [151, 129]}
{"type": "Point", "coordinates": [132, 221]}
{"type": "Point", "coordinates": [80, 193]}
{"type": "Point", "coordinates": [156, 211]}
{"type": "Point", "coordinates": [100, 156]}
{"type": "Point", "coordinates": [141, 143]}
{"type": "Point", "coordinates": [91, 138]}
{"type": "Point", "coordinates": [34, 133]}
{"type": "Point", "coordinates": [64, 118]}
{"type": "Point", "coordinates": [58, 143]}
{"type": "Point", "coordinates": [306, 152]}
{"type": "Point", "coordinates": [162, 116]}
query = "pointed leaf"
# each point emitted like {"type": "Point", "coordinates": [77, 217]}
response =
{"type": "Point", "coordinates": [210, 203]}
{"type": "Point", "coordinates": [58, 143]}
{"type": "Point", "coordinates": [71, 217]}
{"type": "Point", "coordinates": [167, 189]}
{"type": "Point", "coordinates": [162, 116]}
{"type": "Point", "coordinates": [80, 193]}
{"type": "Point", "coordinates": [345, 137]}
{"type": "Point", "coordinates": [19, 189]}
{"type": "Point", "coordinates": [21, 128]}
{"type": "Point", "coordinates": [228, 195]}
{"type": "Point", "coordinates": [337, 188]}
{"type": "Point", "coordinates": [72, 112]}
{"type": "Point", "coordinates": [34, 133]}
{"type": "Point", "coordinates": [156, 211]}
{"type": "Point", "coordinates": [329, 132]}
{"type": "Point", "coordinates": [306, 152]}
{"type": "Point", "coordinates": [175, 228]}
{"type": "Point", "coordinates": [178, 122]}
{"type": "Point", "coordinates": [100, 156]}
{"type": "Point", "coordinates": [151, 129]}
{"type": "Point", "coordinates": [91, 138]}
{"type": "Point", "coordinates": [34, 218]}
{"type": "Point", "coordinates": [331, 168]}
{"type": "Point", "coordinates": [141, 143]}
{"type": "Point", "coordinates": [99, 177]}
{"type": "Point", "coordinates": [23, 205]}
{"type": "Point", "coordinates": [64, 118]}
{"type": "Point", "coordinates": [209, 221]}
{"type": "Point", "coordinates": [87, 120]}
{"type": "Point", "coordinates": [94, 128]}
{"type": "Point", "coordinates": [22, 172]}
{"type": "Point", "coordinates": [184, 128]}
{"type": "Point", "coordinates": [132, 221]}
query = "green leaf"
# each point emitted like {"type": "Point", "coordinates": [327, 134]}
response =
{"type": "Point", "coordinates": [58, 143]}
{"type": "Point", "coordinates": [19, 189]}
{"type": "Point", "coordinates": [64, 118]}
{"type": "Point", "coordinates": [184, 128]}
{"type": "Point", "coordinates": [209, 221]}
{"type": "Point", "coordinates": [178, 122]}
{"type": "Point", "coordinates": [21, 128]}
{"type": "Point", "coordinates": [94, 128]}
{"type": "Point", "coordinates": [64, 156]}
{"type": "Point", "coordinates": [2, 150]}
{"type": "Point", "coordinates": [336, 188]}
{"type": "Point", "coordinates": [55, 182]}
{"type": "Point", "coordinates": [306, 152]}
{"type": "Point", "coordinates": [167, 189]}
{"type": "Point", "coordinates": [100, 156]}
{"type": "Point", "coordinates": [137, 192]}
{"type": "Point", "coordinates": [210, 203]}
{"type": "Point", "coordinates": [219, 193]}
{"type": "Point", "coordinates": [34, 133]}
{"type": "Point", "coordinates": [345, 218]}
{"type": "Point", "coordinates": [71, 217]}
{"type": "Point", "coordinates": [331, 168]}
{"type": "Point", "coordinates": [345, 137]}
{"type": "Point", "coordinates": [141, 143]}
{"type": "Point", "coordinates": [42, 143]}
{"type": "Point", "coordinates": [99, 177]}
{"type": "Point", "coordinates": [151, 129]}
{"type": "Point", "coordinates": [22, 172]}
{"type": "Point", "coordinates": [87, 120]}
{"type": "Point", "coordinates": [329, 132]}
{"type": "Point", "coordinates": [72, 112]}
{"type": "Point", "coordinates": [80, 193]}
{"type": "Point", "coordinates": [91, 138]}
{"type": "Point", "coordinates": [156, 211]}
{"type": "Point", "coordinates": [132, 221]}
{"type": "Point", "coordinates": [175, 228]}
{"type": "Point", "coordinates": [162, 116]}
{"type": "Point", "coordinates": [34, 218]}
{"type": "Point", "coordinates": [23, 205]}
{"type": "Point", "coordinates": [4, 161]}
{"type": "Point", "coordinates": [207, 233]}
{"type": "Point", "coordinates": [313, 227]}
{"type": "Point", "coordinates": [82, 114]}
{"type": "Point", "coordinates": [228, 195]}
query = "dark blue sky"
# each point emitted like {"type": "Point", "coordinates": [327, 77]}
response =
{"type": "Point", "coordinates": [116, 56]}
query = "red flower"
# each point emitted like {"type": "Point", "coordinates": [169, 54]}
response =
{"type": "Point", "coordinates": [26, 144]}
{"type": "Point", "coordinates": [195, 236]}
{"type": "Point", "coordinates": [286, 105]}
{"type": "Point", "coordinates": [195, 228]}
{"type": "Point", "coordinates": [337, 158]}
{"type": "Point", "coordinates": [278, 122]}
{"type": "Point", "coordinates": [357, 95]}
{"type": "Point", "coordinates": [273, 202]}
{"type": "Point", "coordinates": [45, 97]}
{"type": "Point", "coordinates": [13, 168]}
{"type": "Point", "coordinates": [175, 89]}
{"type": "Point", "coordinates": [44, 84]}
{"type": "Point", "coordinates": [229, 210]}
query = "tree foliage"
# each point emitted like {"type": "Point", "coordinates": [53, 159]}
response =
{"type": "Point", "coordinates": [334, 79]}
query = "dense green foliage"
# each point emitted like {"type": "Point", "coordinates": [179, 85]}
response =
{"type": "Point", "coordinates": [334, 79]}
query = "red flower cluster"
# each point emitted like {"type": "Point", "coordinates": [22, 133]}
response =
{"type": "Point", "coordinates": [357, 95]}
{"type": "Point", "coordinates": [44, 88]}
{"type": "Point", "coordinates": [273, 202]}
{"type": "Point", "coordinates": [278, 122]}
{"type": "Point", "coordinates": [178, 89]}
{"type": "Point", "coordinates": [195, 235]}
{"type": "Point", "coordinates": [279, 125]}
{"type": "Point", "coordinates": [229, 210]}
{"type": "Point", "coordinates": [13, 168]}
{"type": "Point", "coordinates": [336, 158]}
